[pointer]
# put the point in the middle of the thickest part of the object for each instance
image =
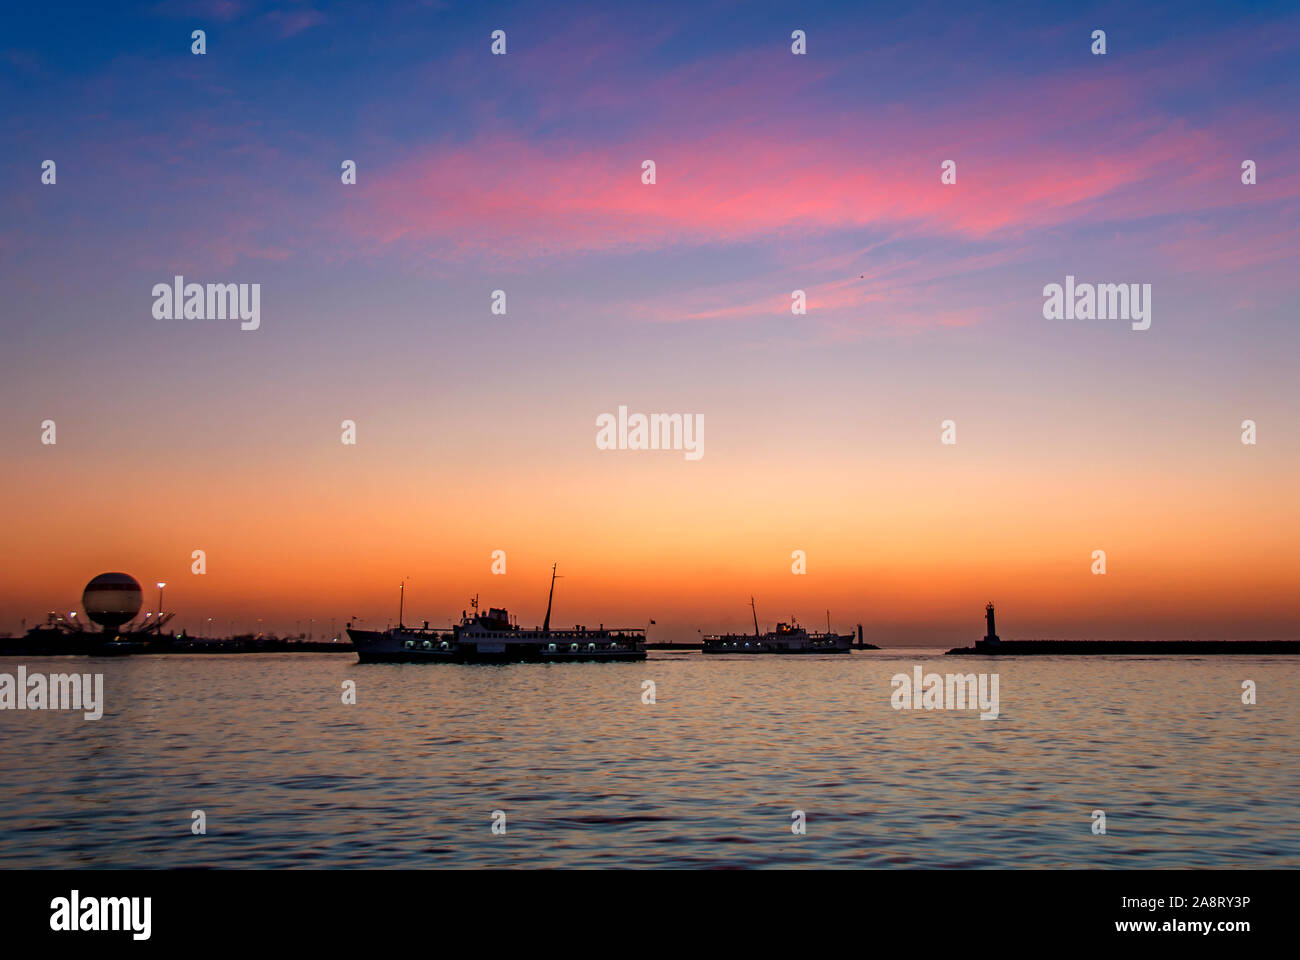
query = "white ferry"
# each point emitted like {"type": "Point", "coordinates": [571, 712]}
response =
{"type": "Point", "coordinates": [786, 638]}
{"type": "Point", "coordinates": [492, 637]}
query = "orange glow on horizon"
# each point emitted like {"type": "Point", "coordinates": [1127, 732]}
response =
{"type": "Point", "coordinates": [903, 551]}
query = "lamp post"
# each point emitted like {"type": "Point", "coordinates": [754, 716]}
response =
{"type": "Point", "coordinates": [161, 584]}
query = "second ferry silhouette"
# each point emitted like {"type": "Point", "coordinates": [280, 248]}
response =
{"type": "Point", "coordinates": [493, 638]}
{"type": "Point", "coordinates": [789, 638]}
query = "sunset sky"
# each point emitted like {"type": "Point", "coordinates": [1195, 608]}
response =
{"type": "Point", "coordinates": [775, 172]}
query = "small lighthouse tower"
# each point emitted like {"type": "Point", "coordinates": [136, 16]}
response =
{"type": "Point", "coordinates": [991, 637]}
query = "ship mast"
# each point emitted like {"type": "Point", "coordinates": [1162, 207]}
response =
{"type": "Point", "coordinates": [546, 624]}
{"type": "Point", "coordinates": [754, 610]}
{"type": "Point", "coordinates": [401, 602]}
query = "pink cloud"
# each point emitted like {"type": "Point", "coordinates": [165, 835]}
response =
{"type": "Point", "coordinates": [223, 10]}
{"type": "Point", "coordinates": [744, 153]}
{"type": "Point", "coordinates": [515, 198]}
{"type": "Point", "coordinates": [290, 22]}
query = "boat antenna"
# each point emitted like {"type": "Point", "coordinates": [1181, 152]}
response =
{"type": "Point", "coordinates": [754, 610]}
{"type": "Point", "coordinates": [546, 624]}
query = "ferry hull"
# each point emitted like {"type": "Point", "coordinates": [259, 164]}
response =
{"type": "Point", "coordinates": [742, 645]}
{"type": "Point", "coordinates": [375, 646]}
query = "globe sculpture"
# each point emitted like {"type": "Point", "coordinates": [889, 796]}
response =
{"type": "Point", "coordinates": [111, 599]}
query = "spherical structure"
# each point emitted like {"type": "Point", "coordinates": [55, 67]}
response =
{"type": "Point", "coordinates": [111, 599]}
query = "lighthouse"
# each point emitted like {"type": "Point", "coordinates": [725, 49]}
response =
{"type": "Point", "coordinates": [991, 637]}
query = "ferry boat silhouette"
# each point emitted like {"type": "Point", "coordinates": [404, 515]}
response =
{"type": "Point", "coordinates": [492, 637]}
{"type": "Point", "coordinates": [788, 638]}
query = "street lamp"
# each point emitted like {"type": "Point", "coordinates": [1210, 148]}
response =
{"type": "Point", "coordinates": [160, 585]}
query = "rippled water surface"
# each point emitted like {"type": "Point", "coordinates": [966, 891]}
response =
{"type": "Point", "coordinates": [588, 775]}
